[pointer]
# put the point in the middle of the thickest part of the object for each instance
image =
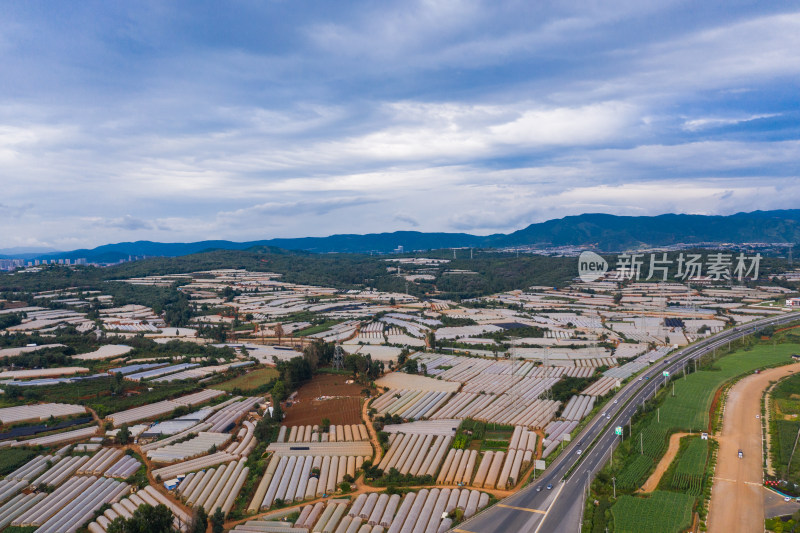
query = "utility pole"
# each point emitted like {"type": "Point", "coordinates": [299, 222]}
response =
{"type": "Point", "coordinates": [641, 444]}
{"type": "Point", "coordinates": [614, 481]}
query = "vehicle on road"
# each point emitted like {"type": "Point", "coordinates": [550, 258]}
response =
{"type": "Point", "coordinates": [579, 452]}
{"type": "Point", "coordinates": [758, 416]}
{"type": "Point", "coordinates": [615, 401]}
{"type": "Point", "coordinates": [741, 455]}
{"type": "Point", "coordinates": [787, 499]}
{"type": "Point", "coordinates": [539, 488]}
{"type": "Point", "coordinates": [549, 486]}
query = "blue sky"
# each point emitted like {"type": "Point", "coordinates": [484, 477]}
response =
{"type": "Point", "coordinates": [178, 121]}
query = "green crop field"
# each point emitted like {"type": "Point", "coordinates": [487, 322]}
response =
{"type": "Point", "coordinates": [635, 471]}
{"type": "Point", "coordinates": [786, 395]}
{"type": "Point", "coordinates": [653, 441]}
{"type": "Point", "coordinates": [250, 381]}
{"type": "Point", "coordinates": [786, 435]}
{"type": "Point", "coordinates": [785, 402]}
{"type": "Point", "coordinates": [13, 458]}
{"type": "Point", "coordinates": [661, 512]}
{"type": "Point", "coordinates": [690, 466]}
{"type": "Point", "coordinates": [688, 410]}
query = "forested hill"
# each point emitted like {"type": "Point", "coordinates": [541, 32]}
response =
{"type": "Point", "coordinates": [485, 273]}
{"type": "Point", "coordinates": [605, 232]}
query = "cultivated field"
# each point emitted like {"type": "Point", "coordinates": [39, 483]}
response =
{"type": "Point", "coordinates": [661, 512]}
{"type": "Point", "coordinates": [325, 396]}
{"type": "Point", "coordinates": [249, 381]}
{"type": "Point", "coordinates": [689, 411]}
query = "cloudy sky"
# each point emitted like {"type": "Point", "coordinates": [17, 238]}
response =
{"type": "Point", "coordinates": [177, 121]}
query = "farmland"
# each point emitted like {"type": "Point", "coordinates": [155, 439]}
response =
{"type": "Point", "coordinates": [99, 395]}
{"type": "Point", "coordinates": [688, 410]}
{"type": "Point", "coordinates": [253, 387]}
{"type": "Point", "coordinates": [249, 381]}
{"type": "Point", "coordinates": [326, 396]}
{"type": "Point", "coordinates": [660, 512]}
{"type": "Point", "coordinates": [690, 466]}
{"type": "Point", "coordinates": [11, 458]}
{"type": "Point", "coordinates": [784, 428]}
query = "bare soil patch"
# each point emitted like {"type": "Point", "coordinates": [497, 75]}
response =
{"type": "Point", "coordinates": [325, 396]}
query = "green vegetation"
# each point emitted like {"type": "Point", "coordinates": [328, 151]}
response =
{"type": "Point", "coordinates": [104, 395]}
{"type": "Point", "coordinates": [251, 381]}
{"type": "Point", "coordinates": [567, 387]}
{"type": "Point", "coordinates": [13, 458]}
{"type": "Point", "coordinates": [661, 511]}
{"type": "Point", "coordinates": [783, 524]}
{"type": "Point", "coordinates": [634, 472]}
{"type": "Point", "coordinates": [690, 465]}
{"type": "Point", "coordinates": [785, 428]}
{"type": "Point", "coordinates": [145, 519]}
{"type": "Point", "coordinates": [689, 476]}
{"type": "Point", "coordinates": [495, 272]}
{"type": "Point", "coordinates": [11, 319]}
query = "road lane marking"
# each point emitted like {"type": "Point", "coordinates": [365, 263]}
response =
{"type": "Point", "coordinates": [457, 530]}
{"type": "Point", "coordinates": [553, 501]}
{"type": "Point", "coordinates": [737, 481]}
{"type": "Point", "coordinates": [521, 508]}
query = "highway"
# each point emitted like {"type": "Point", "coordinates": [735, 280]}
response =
{"type": "Point", "coordinates": [560, 509]}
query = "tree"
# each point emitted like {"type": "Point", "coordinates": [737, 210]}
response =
{"type": "Point", "coordinates": [199, 521]}
{"type": "Point", "coordinates": [217, 521]}
{"type": "Point", "coordinates": [145, 519]}
{"type": "Point", "coordinates": [411, 366]}
{"type": "Point", "coordinates": [277, 413]}
{"type": "Point", "coordinates": [279, 332]}
{"type": "Point", "coordinates": [124, 435]}
{"type": "Point", "coordinates": [278, 392]}
{"type": "Point", "coordinates": [430, 338]}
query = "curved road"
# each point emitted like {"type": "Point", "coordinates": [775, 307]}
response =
{"type": "Point", "coordinates": [535, 508]}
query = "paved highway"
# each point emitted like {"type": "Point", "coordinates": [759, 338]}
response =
{"type": "Point", "coordinates": [560, 509]}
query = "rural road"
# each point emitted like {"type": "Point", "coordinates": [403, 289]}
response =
{"type": "Point", "coordinates": [737, 498]}
{"type": "Point", "coordinates": [561, 509]}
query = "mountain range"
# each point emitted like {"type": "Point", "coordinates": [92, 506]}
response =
{"type": "Point", "coordinates": [602, 232]}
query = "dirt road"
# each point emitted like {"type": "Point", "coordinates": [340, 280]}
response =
{"type": "Point", "coordinates": [737, 498]}
{"type": "Point", "coordinates": [674, 444]}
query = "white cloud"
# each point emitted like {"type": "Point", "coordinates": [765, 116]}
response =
{"type": "Point", "coordinates": [427, 115]}
{"type": "Point", "coordinates": [713, 122]}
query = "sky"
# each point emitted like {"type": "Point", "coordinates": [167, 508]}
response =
{"type": "Point", "coordinates": [180, 121]}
